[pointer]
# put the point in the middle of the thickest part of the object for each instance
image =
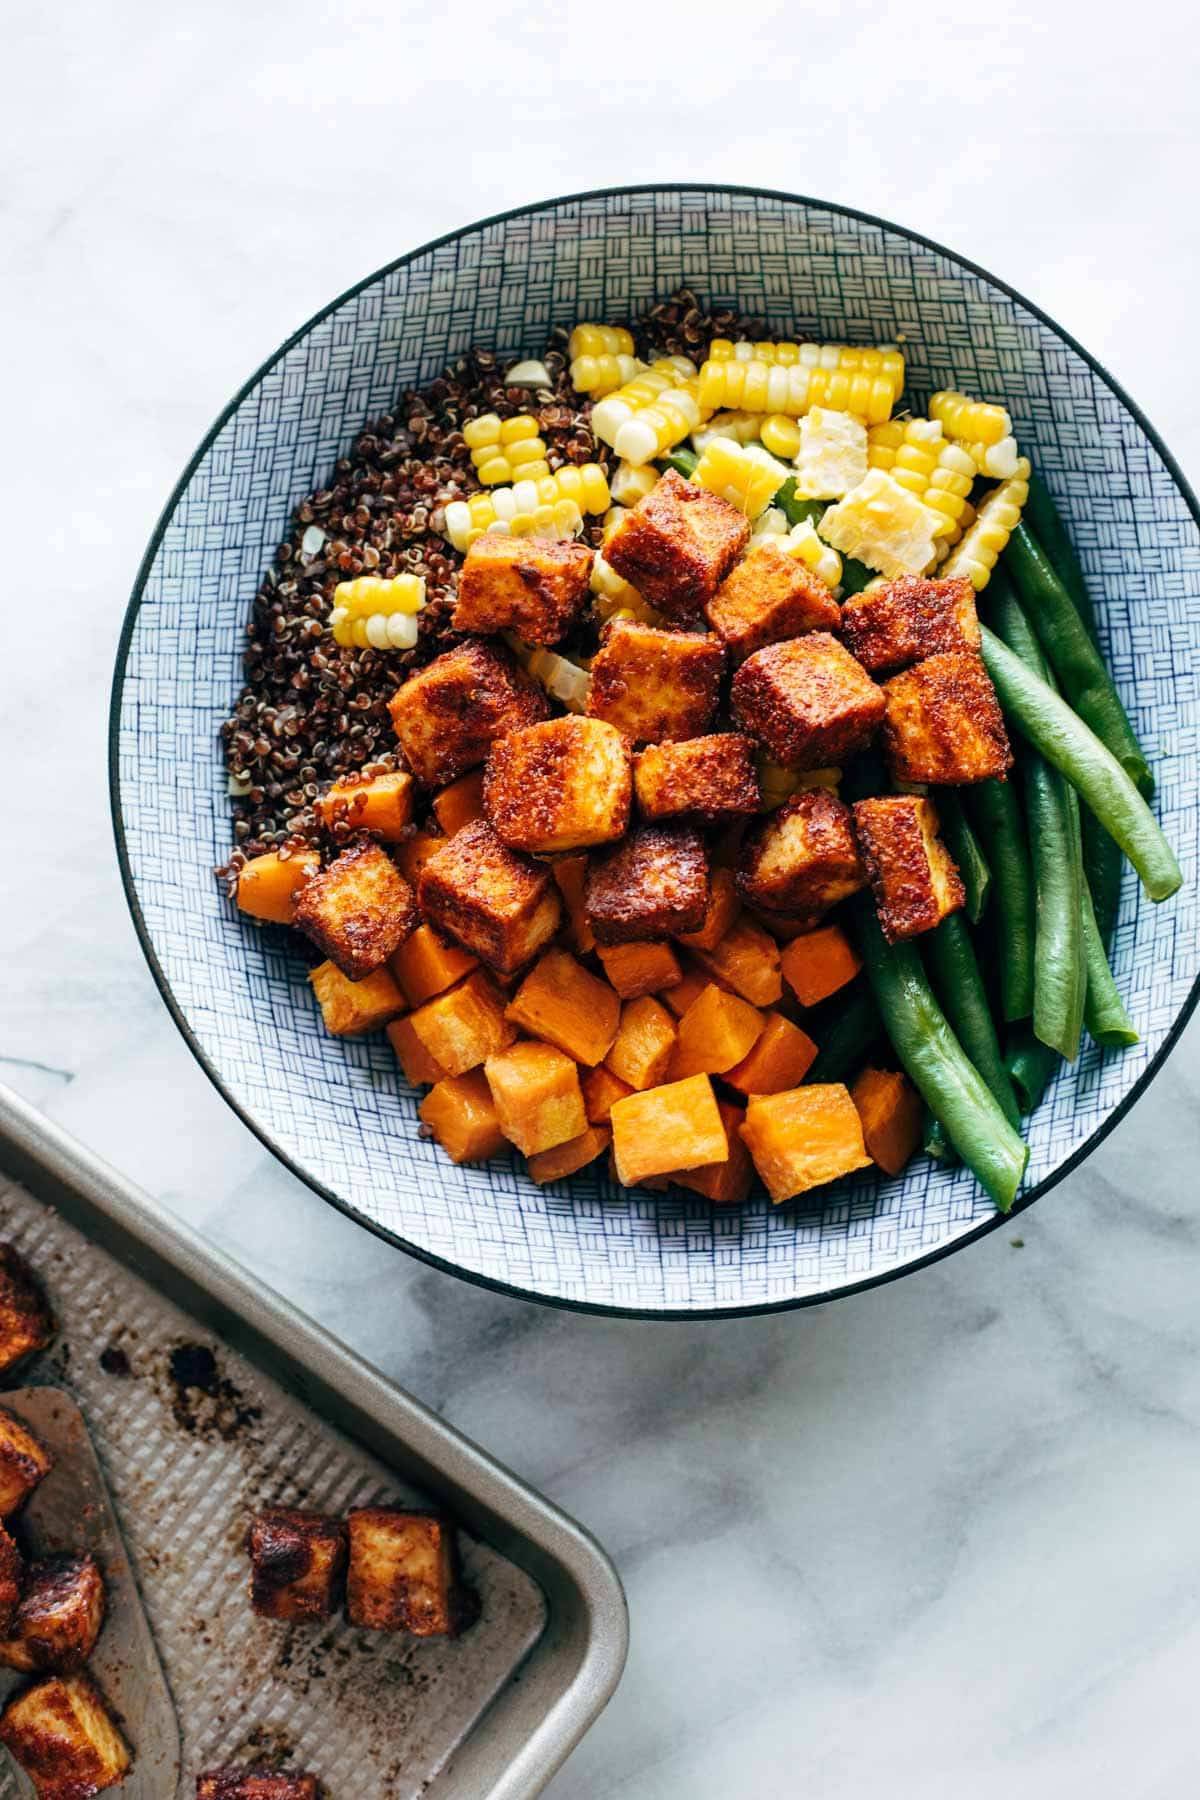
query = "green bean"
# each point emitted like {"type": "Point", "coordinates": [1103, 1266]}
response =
{"type": "Point", "coordinates": [966, 850]}
{"type": "Point", "coordinates": [796, 511]}
{"type": "Point", "coordinates": [997, 813]}
{"type": "Point", "coordinates": [1102, 866]}
{"type": "Point", "coordinates": [681, 459]}
{"type": "Point", "coordinates": [1030, 1064]}
{"type": "Point", "coordinates": [950, 957]}
{"type": "Point", "coordinates": [1104, 1014]}
{"type": "Point", "coordinates": [853, 1029]}
{"type": "Point", "coordinates": [1046, 524]}
{"type": "Point", "coordinates": [855, 575]}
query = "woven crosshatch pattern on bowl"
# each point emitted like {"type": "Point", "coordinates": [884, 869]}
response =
{"type": "Point", "coordinates": [339, 1111]}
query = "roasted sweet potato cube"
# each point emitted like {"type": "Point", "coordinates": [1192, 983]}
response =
{"type": "Point", "coordinates": [447, 714]}
{"type": "Point", "coordinates": [59, 1616]}
{"type": "Point", "coordinates": [803, 857]}
{"type": "Point", "coordinates": [637, 969]}
{"type": "Point", "coordinates": [567, 1159]}
{"type": "Point", "coordinates": [677, 545]}
{"type": "Point", "coordinates": [61, 1732]}
{"type": "Point", "coordinates": [726, 1183]}
{"type": "Point", "coordinates": [804, 1137]}
{"type": "Point", "coordinates": [724, 905]}
{"type": "Point", "coordinates": [25, 1321]}
{"type": "Point", "coordinates": [779, 1058]}
{"type": "Point", "coordinates": [644, 1047]}
{"type": "Point", "coordinates": [766, 598]}
{"type": "Point", "coordinates": [570, 875]}
{"type": "Point", "coordinates": [297, 1563]}
{"type": "Point", "coordinates": [746, 961]}
{"type": "Point", "coordinates": [403, 1574]}
{"type": "Point", "coordinates": [653, 884]}
{"type": "Point", "coordinates": [654, 684]}
{"type": "Point", "coordinates": [711, 778]}
{"type": "Point", "coordinates": [912, 873]}
{"type": "Point", "coordinates": [12, 1574]}
{"type": "Point", "coordinates": [562, 785]}
{"type": "Point", "coordinates": [350, 1007]}
{"type": "Point", "coordinates": [537, 1095]}
{"type": "Point", "coordinates": [818, 963]}
{"type": "Point", "coordinates": [461, 1114]}
{"type": "Point", "coordinates": [245, 1784]}
{"type": "Point", "coordinates": [601, 1089]}
{"type": "Point", "coordinates": [680, 994]}
{"type": "Point", "coordinates": [23, 1463]}
{"type": "Point", "coordinates": [808, 701]}
{"type": "Point", "coordinates": [905, 620]}
{"type": "Point", "coordinates": [464, 1026]}
{"type": "Point", "coordinates": [676, 1126]}
{"type": "Point", "coordinates": [564, 1004]}
{"type": "Point", "coordinates": [425, 965]}
{"type": "Point", "coordinates": [268, 885]}
{"type": "Point", "coordinates": [498, 904]}
{"type": "Point", "coordinates": [415, 852]}
{"type": "Point", "coordinates": [892, 1113]}
{"type": "Point", "coordinates": [461, 803]}
{"type": "Point", "coordinates": [358, 910]}
{"type": "Point", "coordinates": [420, 1068]}
{"type": "Point", "coordinates": [533, 586]}
{"type": "Point", "coordinates": [944, 723]}
{"type": "Point", "coordinates": [382, 804]}
{"type": "Point", "coordinates": [715, 1033]}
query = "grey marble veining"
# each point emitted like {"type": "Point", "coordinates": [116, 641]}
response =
{"type": "Point", "coordinates": [937, 1540]}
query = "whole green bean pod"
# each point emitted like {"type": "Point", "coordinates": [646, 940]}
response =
{"type": "Point", "coordinates": [966, 850]}
{"type": "Point", "coordinates": [845, 1044]}
{"type": "Point", "coordinates": [682, 459]}
{"type": "Point", "coordinates": [950, 957]}
{"type": "Point", "coordinates": [997, 812]}
{"type": "Point", "coordinates": [1108, 1023]}
{"type": "Point", "coordinates": [1030, 1064]}
{"type": "Point", "coordinates": [1045, 522]}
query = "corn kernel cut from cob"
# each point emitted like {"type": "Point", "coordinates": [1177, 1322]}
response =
{"type": "Point", "coordinates": [629, 484]}
{"type": "Point", "coordinates": [998, 516]}
{"type": "Point", "coordinates": [884, 359]}
{"type": "Point", "coordinates": [882, 525]}
{"type": "Point", "coordinates": [744, 474]}
{"type": "Point", "coordinates": [563, 680]}
{"type": "Point", "coordinates": [803, 543]}
{"type": "Point", "coordinates": [650, 414]}
{"type": "Point", "coordinates": [832, 457]}
{"type": "Point", "coordinates": [373, 613]}
{"type": "Point", "coordinates": [781, 435]}
{"type": "Point", "coordinates": [973, 421]}
{"type": "Point", "coordinates": [553, 506]}
{"type": "Point", "coordinates": [506, 450]}
{"type": "Point", "coordinates": [602, 358]}
{"type": "Point", "coordinates": [946, 544]}
{"type": "Point", "coordinates": [997, 460]}
{"type": "Point", "coordinates": [865, 382]}
{"type": "Point", "coordinates": [916, 454]}
{"type": "Point", "coordinates": [742, 427]}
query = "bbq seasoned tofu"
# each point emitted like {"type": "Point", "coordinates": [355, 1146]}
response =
{"type": "Point", "coordinates": [358, 910]}
{"type": "Point", "coordinates": [495, 902]}
{"type": "Point", "coordinates": [655, 684]}
{"type": "Point", "coordinates": [23, 1463]}
{"type": "Point", "coordinates": [767, 597]}
{"type": "Point", "coordinates": [297, 1563]}
{"type": "Point", "coordinates": [912, 873]}
{"type": "Point", "coordinates": [449, 712]}
{"type": "Point", "coordinates": [533, 586]}
{"type": "Point", "coordinates": [712, 778]}
{"type": "Point", "coordinates": [905, 620]}
{"type": "Point", "coordinates": [808, 701]}
{"type": "Point", "coordinates": [561, 785]}
{"type": "Point", "coordinates": [59, 1616]}
{"type": "Point", "coordinates": [12, 1572]}
{"type": "Point", "coordinates": [944, 723]}
{"type": "Point", "coordinates": [802, 859]}
{"type": "Point", "coordinates": [242, 1784]}
{"type": "Point", "coordinates": [677, 545]}
{"type": "Point", "coordinates": [25, 1321]}
{"type": "Point", "coordinates": [403, 1574]}
{"type": "Point", "coordinates": [653, 884]}
{"type": "Point", "coordinates": [62, 1734]}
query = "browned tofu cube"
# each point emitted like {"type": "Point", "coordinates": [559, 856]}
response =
{"type": "Point", "coordinates": [403, 1574]}
{"type": "Point", "coordinates": [25, 1321]}
{"type": "Point", "coordinates": [496, 903]}
{"type": "Point", "coordinates": [448, 713]}
{"type": "Point", "coordinates": [655, 684]}
{"type": "Point", "coordinates": [712, 778]}
{"type": "Point", "coordinates": [908, 619]}
{"type": "Point", "coordinates": [802, 859]}
{"type": "Point", "coordinates": [808, 701]}
{"type": "Point", "coordinates": [244, 1784]}
{"type": "Point", "coordinates": [12, 1573]}
{"type": "Point", "coordinates": [533, 586]}
{"type": "Point", "coordinates": [677, 546]}
{"type": "Point", "coordinates": [358, 910]}
{"type": "Point", "coordinates": [297, 1561]}
{"type": "Point", "coordinates": [767, 597]}
{"type": "Point", "coordinates": [944, 723]}
{"type": "Point", "coordinates": [652, 885]}
{"type": "Point", "coordinates": [912, 873]}
{"type": "Point", "coordinates": [59, 1617]}
{"type": "Point", "coordinates": [561, 785]}
{"type": "Point", "coordinates": [23, 1463]}
{"type": "Point", "coordinates": [62, 1734]}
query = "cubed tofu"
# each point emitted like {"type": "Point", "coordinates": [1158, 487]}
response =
{"type": "Point", "coordinates": [804, 1137]}
{"type": "Point", "coordinates": [533, 586]}
{"type": "Point", "coordinates": [403, 1574]}
{"type": "Point", "coordinates": [25, 1321]}
{"type": "Point", "coordinates": [711, 778]}
{"type": "Point", "coordinates": [23, 1463]}
{"type": "Point", "coordinates": [766, 598]}
{"type": "Point", "coordinates": [449, 712]}
{"type": "Point", "coordinates": [651, 885]}
{"type": "Point", "coordinates": [677, 546]}
{"type": "Point", "coordinates": [382, 804]}
{"type": "Point", "coordinates": [913, 875]}
{"type": "Point", "coordinates": [944, 723]}
{"type": "Point", "coordinates": [358, 910]}
{"type": "Point", "coordinates": [808, 701]}
{"type": "Point", "coordinates": [461, 1028]}
{"type": "Point", "coordinates": [654, 684]}
{"type": "Point", "coordinates": [62, 1734]}
{"type": "Point", "coordinates": [351, 1007]}
{"type": "Point", "coordinates": [562, 785]}
{"type": "Point", "coordinates": [297, 1564]}
{"type": "Point", "coordinates": [498, 904]}
{"type": "Point", "coordinates": [59, 1616]}
{"type": "Point", "coordinates": [244, 1784]}
{"type": "Point", "coordinates": [905, 620]}
{"type": "Point", "coordinates": [538, 1099]}
{"type": "Point", "coordinates": [803, 857]}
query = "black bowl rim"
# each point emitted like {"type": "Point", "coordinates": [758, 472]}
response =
{"type": "Point", "coordinates": [511, 1289]}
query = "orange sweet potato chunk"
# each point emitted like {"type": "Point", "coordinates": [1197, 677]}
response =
{"type": "Point", "coordinates": [689, 987]}
{"type": "Point", "coordinates": [780, 1059]}
{"type": "Point", "coordinates": [570, 873]}
{"type": "Point", "coordinates": [415, 852]}
{"type": "Point", "coordinates": [420, 1069]}
{"type": "Point", "coordinates": [804, 1137]}
{"type": "Point", "coordinates": [461, 803]}
{"type": "Point", "coordinates": [460, 1112]}
{"type": "Point", "coordinates": [349, 1007]}
{"type": "Point", "coordinates": [425, 965]}
{"type": "Point", "coordinates": [677, 1126]}
{"type": "Point", "coordinates": [463, 1027]}
{"type": "Point", "coordinates": [379, 803]}
{"type": "Point", "coordinates": [891, 1113]}
{"type": "Point", "coordinates": [746, 960]}
{"type": "Point", "coordinates": [723, 909]}
{"type": "Point", "coordinates": [715, 1033]}
{"type": "Point", "coordinates": [567, 1159]}
{"type": "Point", "coordinates": [637, 969]}
{"type": "Point", "coordinates": [268, 885]}
{"type": "Point", "coordinates": [564, 1003]}
{"type": "Point", "coordinates": [643, 1047]}
{"type": "Point", "coordinates": [601, 1090]}
{"type": "Point", "coordinates": [725, 1183]}
{"type": "Point", "coordinates": [818, 963]}
{"type": "Point", "coordinates": [539, 1102]}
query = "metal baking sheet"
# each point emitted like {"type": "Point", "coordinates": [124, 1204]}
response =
{"type": "Point", "coordinates": [206, 1396]}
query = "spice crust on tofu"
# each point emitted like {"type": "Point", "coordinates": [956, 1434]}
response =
{"type": "Point", "coordinates": [654, 884]}
{"type": "Point", "coordinates": [297, 1562]}
{"type": "Point", "coordinates": [447, 714]}
{"type": "Point", "coordinates": [358, 910]}
{"type": "Point", "coordinates": [533, 586]}
{"type": "Point", "coordinates": [404, 1574]}
{"type": "Point", "coordinates": [677, 545]}
{"type": "Point", "coordinates": [766, 598]}
{"type": "Point", "coordinates": [246, 1784]}
{"type": "Point", "coordinates": [943, 723]}
{"type": "Point", "coordinates": [915, 881]}
{"type": "Point", "coordinates": [25, 1321]}
{"type": "Point", "coordinates": [23, 1463]}
{"type": "Point", "coordinates": [59, 1617]}
{"type": "Point", "coordinates": [561, 785]}
{"type": "Point", "coordinates": [494, 901]}
{"type": "Point", "coordinates": [711, 778]}
{"type": "Point", "coordinates": [803, 858]}
{"type": "Point", "coordinates": [908, 619]}
{"type": "Point", "coordinates": [808, 701]}
{"type": "Point", "coordinates": [63, 1735]}
{"type": "Point", "coordinates": [654, 685]}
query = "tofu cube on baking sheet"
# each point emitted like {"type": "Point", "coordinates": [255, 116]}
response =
{"type": "Point", "coordinates": [449, 712]}
{"type": "Point", "coordinates": [358, 910]}
{"type": "Point", "coordinates": [561, 785]}
{"type": "Point", "coordinates": [808, 701]}
{"type": "Point", "coordinates": [711, 777]}
{"type": "Point", "coordinates": [533, 586]}
{"type": "Point", "coordinates": [654, 684]}
{"type": "Point", "coordinates": [802, 858]}
{"type": "Point", "coordinates": [403, 1573]}
{"type": "Point", "coordinates": [908, 619]}
{"type": "Point", "coordinates": [58, 1620]}
{"type": "Point", "coordinates": [25, 1321]}
{"type": "Point", "coordinates": [61, 1732]}
{"type": "Point", "coordinates": [767, 597]}
{"type": "Point", "coordinates": [912, 873]}
{"type": "Point", "coordinates": [498, 904]}
{"type": "Point", "coordinates": [245, 1784]}
{"type": "Point", "coordinates": [677, 546]}
{"type": "Point", "coordinates": [944, 724]}
{"type": "Point", "coordinates": [23, 1463]}
{"type": "Point", "coordinates": [12, 1575]}
{"type": "Point", "coordinates": [297, 1561]}
{"type": "Point", "coordinates": [651, 885]}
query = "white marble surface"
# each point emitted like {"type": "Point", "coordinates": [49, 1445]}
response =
{"type": "Point", "coordinates": [938, 1540]}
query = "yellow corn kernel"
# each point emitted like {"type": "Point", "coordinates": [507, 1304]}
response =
{"type": "Point", "coordinates": [997, 460]}
{"type": "Point", "coordinates": [744, 474]}
{"type": "Point", "coordinates": [781, 435]}
{"type": "Point", "coordinates": [974, 421]}
{"type": "Point", "coordinates": [630, 484]}
{"type": "Point", "coordinates": [650, 414]}
{"type": "Point", "coordinates": [503, 449]}
{"type": "Point", "coordinates": [373, 613]}
{"type": "Point", "coordinates": [803, 543]}
{"type": "Point", "coordinates": [883, 525]}
{"type": "Point", "coordinates": [845, 381]}
{"type": "Point", "coordinates": [883, 359]}
{"type": "Point", "coordinates": [599, 340]}
{"type": "Point", "coordinates": [832, 457]}
{"type": "Point", "coordinates": [946, 543]}
{"type": "Point", "coordinates": [998, 516]}
{"type": "Point", "coordinates": [917, 456]}
{"type": "Point", "coordinates": [602, 358]}
{"type": "Point", "coordinates": [742, 427]}
{"type": "Point", "coordinates": [554, 505]}
{"type": "Point", "coordinates": [565, 681]}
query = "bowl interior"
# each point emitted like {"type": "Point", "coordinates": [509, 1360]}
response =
{"type": "Point", "coordinates": [338, 1111]}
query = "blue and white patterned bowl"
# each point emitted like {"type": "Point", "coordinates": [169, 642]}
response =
{"type": "Point", "coordinates": [338, 1113]}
